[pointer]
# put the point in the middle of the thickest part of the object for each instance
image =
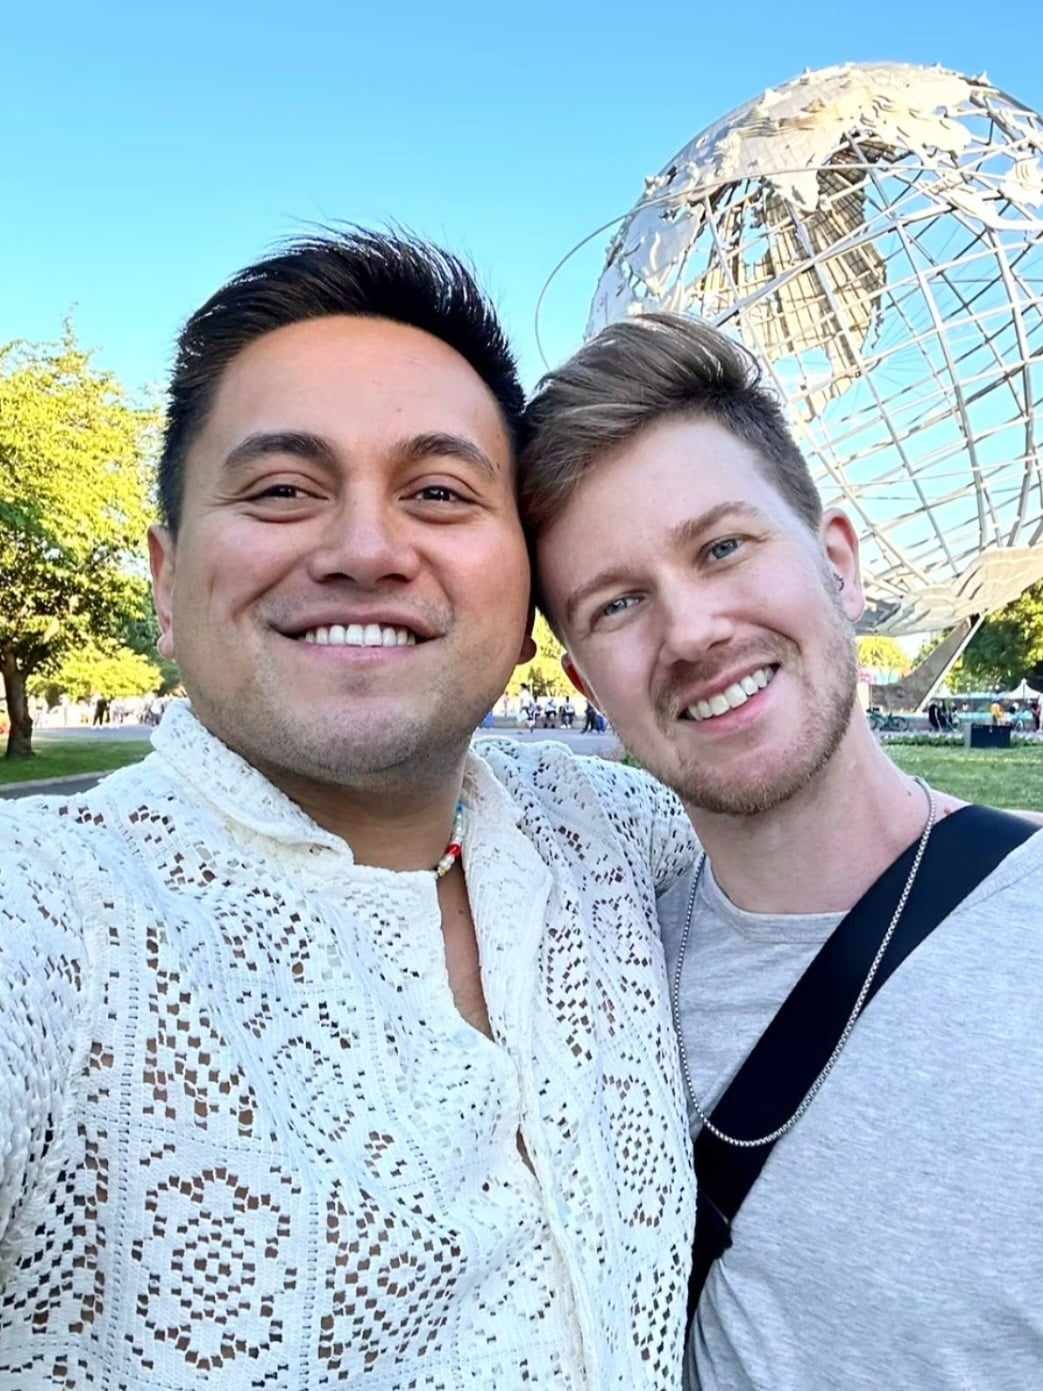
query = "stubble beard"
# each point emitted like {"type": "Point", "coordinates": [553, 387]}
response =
{"type": "Point", "coordinates": [413, 746]}
{"type": "Point", "coordinates": [827, 717]}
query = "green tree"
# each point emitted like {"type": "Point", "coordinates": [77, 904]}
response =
{"type": "Point", "coordinates": [75, 499]}
{"type": "Point", "coordinates": [882, 654]}
{"type": "Point", "coordinates": [142, 635]}
{"type": "Point", "coordinates": [99, 669]}
{"type": "Point", "coordinates": [1008, 646]}
{"type": "Point", "coordinates": [543, 675]}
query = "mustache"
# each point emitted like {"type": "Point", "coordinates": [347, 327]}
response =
{"type": "Point", "coordinates": [682, 676]}
{"type": "Point", "coordinates": [283, 611]}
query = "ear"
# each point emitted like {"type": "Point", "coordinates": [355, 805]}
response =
{"type": "Point", "coordinates": [573, 673]}
{"type": "Point", "coordinates": [161, 562]}
{"type": "Point", "coordinates": [528, 648]}
{"type": "Point", "coordinates": [840, 544]}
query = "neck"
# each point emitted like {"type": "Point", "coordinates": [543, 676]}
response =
{"type": "Point", "coordinates": [401, 825]}
{"type": "Point", "coordinates": [820, 850]}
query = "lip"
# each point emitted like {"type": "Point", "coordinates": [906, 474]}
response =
{"type": "Point", "coordinates": [721, 684]}
{"type": "Point", "coordinates": [386, 618]}
{"type": "Point", "coordinates": [740, 719]}
{"type": "Point", "coordinates": [344, 652]}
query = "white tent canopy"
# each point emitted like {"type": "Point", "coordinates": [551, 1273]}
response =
{"type": "Point", "coordinates": [1024, 692]}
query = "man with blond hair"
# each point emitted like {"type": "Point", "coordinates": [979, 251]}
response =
{"type": "Point", "coordinates": [869, 1172]}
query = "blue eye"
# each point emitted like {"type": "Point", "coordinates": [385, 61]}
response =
{"type": "Point", "coordinates": [615, 606]}
{"type": "Point", "coordinates": [721, 550]}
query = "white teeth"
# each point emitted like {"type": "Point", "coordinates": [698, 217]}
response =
{"type": "Point", "coordinates": [359, 635]}
{"type": "Point", "coordinates": [737, 694]}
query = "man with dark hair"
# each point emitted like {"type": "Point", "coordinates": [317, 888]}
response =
{"type": "Point", "coordinates": [856, 963]}
{"type": "Point", "coordinates": [333, 1050]}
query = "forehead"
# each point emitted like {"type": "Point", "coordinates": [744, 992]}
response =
{"type": "Point", "coordinates": [352, 380]}
{"type": "Point", "coordinates": [670, 472]}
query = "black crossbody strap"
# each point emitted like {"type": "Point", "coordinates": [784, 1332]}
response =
{"type": "Point", "coordinates": [963, 850]}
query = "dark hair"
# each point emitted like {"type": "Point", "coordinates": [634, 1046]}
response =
{"type": "Point", "coordinates": [381, 275]}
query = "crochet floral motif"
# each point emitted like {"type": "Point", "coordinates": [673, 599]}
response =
{"type": "Point", "coordinates": [245, 1134]}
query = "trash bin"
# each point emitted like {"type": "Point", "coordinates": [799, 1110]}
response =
{"type": "Point", "coordinates": [987, 736]}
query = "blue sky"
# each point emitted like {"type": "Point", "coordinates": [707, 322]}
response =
{"type": "Point", "coordinates": [149, 152]}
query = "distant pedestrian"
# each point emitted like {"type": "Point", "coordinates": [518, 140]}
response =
{"type": "Point", "coordinates": [590, 723]}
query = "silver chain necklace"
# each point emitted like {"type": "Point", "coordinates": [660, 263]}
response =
{"type": "Point", "coordinates": [816, 1086]}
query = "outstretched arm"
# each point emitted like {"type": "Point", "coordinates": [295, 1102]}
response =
{"type": "Point", "coordinates": [41, 989]}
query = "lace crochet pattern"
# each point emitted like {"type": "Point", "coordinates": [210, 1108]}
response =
{"type": "Point", "coordinates": [245, 1134]}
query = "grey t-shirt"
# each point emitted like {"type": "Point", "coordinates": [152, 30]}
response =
{"type": "Point", "coordinates": [895, 1236]}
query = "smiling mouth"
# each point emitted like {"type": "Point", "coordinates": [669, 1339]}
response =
{"type": "Point", "coordinates": [738, 693]}
{"type": "Point", "coordinates": [360, 635]}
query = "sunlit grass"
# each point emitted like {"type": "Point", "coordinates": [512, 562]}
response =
{"type": "Point", "coordinates": [997, 777]}
{"type": "Point", "coordinates": [65, 758]}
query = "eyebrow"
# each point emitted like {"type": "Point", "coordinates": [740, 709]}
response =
{"type": "Point", "coordinates": [421, 447]}
{"type": "Point", "coordinates": [318, 450]}
{"type": "Point", "coordinates": [679, 536]}
{"type": "Point", "coordinates": [295, 442]}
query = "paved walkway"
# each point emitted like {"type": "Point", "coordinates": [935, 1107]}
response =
{"type": "Point", "coordinates": [51, 787]}
{"type": "Point", "coordinates": [603, 745]}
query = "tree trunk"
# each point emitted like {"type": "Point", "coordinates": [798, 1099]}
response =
{"type": "Point", "coordinates": [20, 736]}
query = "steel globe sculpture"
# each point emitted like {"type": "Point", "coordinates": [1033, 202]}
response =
{"type": "Point", "coordinates": [874, 234]}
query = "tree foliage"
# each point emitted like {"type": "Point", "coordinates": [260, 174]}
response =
{"type": "Point", "coordinates": [880, 653]}
{"type": "Point", "coordinates": [543, 675]}
{"type": "Point", "coordinates": [97, 669]}
{"type": "Point", "coordinates": [1008, 646]}
{"type": "Point", "coordinates": [142, 635]}
{"type": "Point", "coordinates": [75, 500]}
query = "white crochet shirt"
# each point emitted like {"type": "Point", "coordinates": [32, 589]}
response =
{"type": "Point", "coordinates": [246, 1139]}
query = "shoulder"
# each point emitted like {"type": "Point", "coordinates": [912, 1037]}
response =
{"type": "Point", "coordinates": [584, 790]}
{"type": "Point", "coordinates": [557, 776]}
{"type": "Point", "coordinates": [42, 868]}
{"type": "Point", "coordinates": [62, 857]}
{"type": "Point", "coordinates": [1020, 872]}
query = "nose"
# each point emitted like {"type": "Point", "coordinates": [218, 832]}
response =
{"type": "Point", "coordinates": [365, 541]}
{"type": "Point", "coordinates": [694, 623]}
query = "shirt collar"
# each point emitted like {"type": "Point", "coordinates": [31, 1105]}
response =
{"type": "Point", "coordinates": [244, 795]}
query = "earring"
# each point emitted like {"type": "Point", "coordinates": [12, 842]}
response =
{"type": "Point", "coordinates": [839, 579]}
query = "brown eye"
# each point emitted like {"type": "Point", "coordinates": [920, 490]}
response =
{"type": "Point", "coordinates": [281, 490]}
{"type": "Point", "coordinates": [438, 492]}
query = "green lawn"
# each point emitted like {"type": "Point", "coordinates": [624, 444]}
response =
{"type": "Point", "coordinates": [58, 758]}
{"type": "Point", "coordinates": [997, 777]}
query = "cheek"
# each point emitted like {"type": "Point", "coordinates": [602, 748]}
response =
{"type": "Point", "coordinates": [230, 567]}
{"type": "Point", "coordinates": [618, 672]}
{"type": "Point", "coordinates": [493, 578]}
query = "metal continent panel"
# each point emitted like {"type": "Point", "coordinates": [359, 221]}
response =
{"type": "Point", "coordinates": [874, 234]}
